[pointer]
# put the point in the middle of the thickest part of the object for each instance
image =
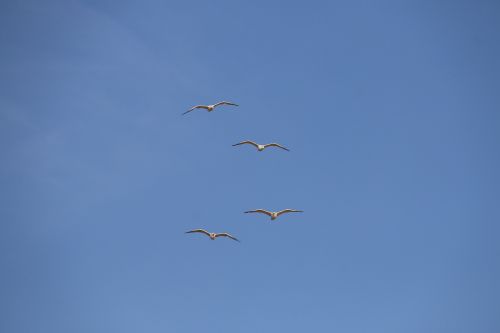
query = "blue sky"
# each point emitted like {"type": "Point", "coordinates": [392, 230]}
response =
{"type": "Point", "coordinates": [390, 109]}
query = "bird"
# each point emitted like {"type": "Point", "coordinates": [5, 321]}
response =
{"type": "Point", "coordinates": [212, 235]}
{"type": "Point", "coordinates": [210, 107]}
{"type": "Point", "coordinates": [261, 147]}
{"type": "Point", "coordinates": [274, 215]}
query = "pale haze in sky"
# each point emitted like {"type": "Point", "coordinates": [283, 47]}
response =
{"type": "Point", "coordinates": [391, 112]}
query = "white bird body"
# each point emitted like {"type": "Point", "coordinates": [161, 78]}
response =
{"type": "Point", "coordinates": [207, 107]}
{"type": "Point", "coordinates": [260, 147]}
{"type": "Point", "coordinates": [210, 107]}
{"type": "Point", "coordinates": [274, 215]}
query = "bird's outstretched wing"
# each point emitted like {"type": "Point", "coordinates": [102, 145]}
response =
{"type": "Point", "coordinates": [225, 234]}
{"type": "Point", "coordinates": [276, 145]}
{"type": "Point", "coordinates": [289, 211]}
{"type": "Point", "coordinates": [196, 107]}
{"type": "Point", "coordinates": [225, 103]}
{"type": "Point", "coordinates": [198, 230]}
{"type": "Point", "coordinates": [263, 211]}
{"type": "Point", "coordinates": [246, 142]}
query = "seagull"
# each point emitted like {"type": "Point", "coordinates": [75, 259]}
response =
{"type": "Point", "coordinates": [274, 215]}
{"type": "Point", "coordinates": [212, 235]}
{"type": "Point", "coordinates": [210, 107]}
{"type": "Point", "coordinates": [261, 147]}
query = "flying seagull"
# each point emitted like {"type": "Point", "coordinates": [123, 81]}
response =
{"type": "Point", "coordinates": [274, 215]}
{"type": "Point", "coordinates": [212, 235]}
{"type": "Point", "coordinates": [261, 147]}
{"type": "Point", "coordinates": [210, 107]}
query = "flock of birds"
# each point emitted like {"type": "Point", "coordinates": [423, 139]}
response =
{"type": "Point", "coordinates": [260, 147]}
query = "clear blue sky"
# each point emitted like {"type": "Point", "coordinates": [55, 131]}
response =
{"type": "Point", "coordinates": [391, 109]}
